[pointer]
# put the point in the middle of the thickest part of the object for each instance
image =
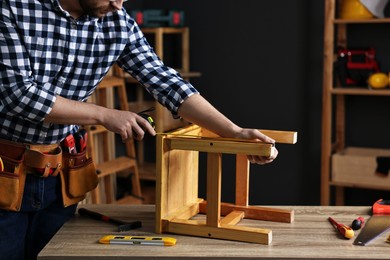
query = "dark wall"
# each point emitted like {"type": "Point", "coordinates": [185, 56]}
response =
{"type": "Point", "coordinates": [261, 65]}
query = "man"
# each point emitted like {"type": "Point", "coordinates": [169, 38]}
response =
{"type": "Point", "coordinates": [53, 55]}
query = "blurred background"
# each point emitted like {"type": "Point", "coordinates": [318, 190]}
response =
{"type": "Point", "coordinates": [262, 66]}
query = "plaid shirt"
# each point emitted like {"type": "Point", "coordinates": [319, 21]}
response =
{"type": "Point", "coordinates": [45, 52]}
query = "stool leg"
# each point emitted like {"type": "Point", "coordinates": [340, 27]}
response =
{"type": "Point", "coordinates": [214, 173]}
{"type": "Point", "coordinates": [242, 180]}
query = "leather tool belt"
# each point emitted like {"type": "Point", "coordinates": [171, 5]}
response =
{"type": "Point", "coordinates": [77, 171]}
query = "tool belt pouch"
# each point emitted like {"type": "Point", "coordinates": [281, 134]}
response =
{"type": "Point", "coordinates": [78, 177]}
{"type": "Point", "coordinates": [13, 176]}
{"type": "Point", "coordinates": [44, 164]}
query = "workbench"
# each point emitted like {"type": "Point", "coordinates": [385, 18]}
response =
{"type": "Point", "coordinates": [310, 236]}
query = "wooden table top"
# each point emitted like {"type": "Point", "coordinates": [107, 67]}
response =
{"type": "Point", "coordinates": [310, 236]}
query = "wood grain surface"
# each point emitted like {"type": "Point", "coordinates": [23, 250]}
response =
{"type": "Point", "coordinates": [310, 236]}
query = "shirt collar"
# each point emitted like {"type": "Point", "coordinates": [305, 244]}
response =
{"type": "Point", "coordinates": [56, 6]}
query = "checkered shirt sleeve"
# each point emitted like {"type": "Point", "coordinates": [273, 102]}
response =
{"type": "Point", "coordinates": [164, 83]}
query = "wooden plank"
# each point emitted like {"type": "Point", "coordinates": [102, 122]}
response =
{"type": "Point", "coordinates": [214, 177]}
{"type": "Point", "coordinates": [186, 212]}
{"type": "Point", "coordinates": [218, 146]}
{"type": "Point", "coordinates": [228, 232]}
{"type": "Point", "coordinates": [330, 11]}
{"type": "Point", "coordinates": [233, 218]}
{"type": "Point", "coordinates": [285, 137]}
{"type": "Point", "coordinates": [115, 165]}
{"type": "Point", "coordinates": [254, 212]}
{"type": "Point", "coordinates": [161, 182]}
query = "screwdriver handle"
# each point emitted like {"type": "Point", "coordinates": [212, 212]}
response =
{"type": "Point", "coordinates": [344, 230]}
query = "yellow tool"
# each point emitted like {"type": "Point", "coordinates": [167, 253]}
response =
{"type": "Point", "coordinates": [344, 230]}
{"type": "Point", "coordinates": [354, 9]}
{"type": "Point", "coordinates": [378, 80]}
{"type": "Point", "coordinates": [138, 240]}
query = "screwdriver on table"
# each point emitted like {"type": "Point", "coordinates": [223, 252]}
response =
{"type": "Point", "coordinates": [344, 230]}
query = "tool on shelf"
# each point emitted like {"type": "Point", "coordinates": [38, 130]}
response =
{"type": "Point", "coordinates": [158, 18]}
{"type": "Point", "coordinates": [377, 224]}
{"type": "Point", "coordinates": [344, 230]}
{"type": "Point", "coordinates": [123, 226]}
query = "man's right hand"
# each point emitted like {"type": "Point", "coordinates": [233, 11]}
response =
{"type": "Point", "coordinates": [127, 124]}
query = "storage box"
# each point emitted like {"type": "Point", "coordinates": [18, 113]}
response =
{"type": "Point", "coordinates": [358, 167]}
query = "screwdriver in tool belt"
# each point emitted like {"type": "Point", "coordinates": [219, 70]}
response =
{"type": "Point", "coordinates": [344, 230]}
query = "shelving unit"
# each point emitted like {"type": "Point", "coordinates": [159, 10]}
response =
{"type": "Point", "coordinates": [101, 143]}
{"type": "Point", "coordinates": [333, 110]}
{"type": "Point", "coordinates": [162, 117]}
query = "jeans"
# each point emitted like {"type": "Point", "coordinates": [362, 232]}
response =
{"type": "Point", "coordinates": [23, 234]}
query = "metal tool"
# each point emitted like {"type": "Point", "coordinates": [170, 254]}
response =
{"type": "Point", "coordinates": [123, 226]}
{"type": "Point", "coordinates": [344, 230]}
{"type": "Point", "coordinates": [377, 224]}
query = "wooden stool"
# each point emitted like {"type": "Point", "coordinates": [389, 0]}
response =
{"type": "Point", "coordinates": [177, 186]}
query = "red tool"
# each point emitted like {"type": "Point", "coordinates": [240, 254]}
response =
{"type": "Point", "coordinates": [123, 226]}
{"type": "Point", "coordinates": [357, 223]}
{"type": "Point", "coordinates": [69, 143]}
{"type": "Point", "coordinates": [81, 140]}
{"type": "Point", "coordinates": [344, 230]}
{"type": "Point", "coordinates": [377, 224]}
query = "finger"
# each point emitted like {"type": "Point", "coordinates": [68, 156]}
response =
{"type": "Point", "coordinates": [124, 136]}
{"type": "Point", "coordinates": [274, 153]}
{"type": "Point", "coordinates": [138, 132]}
{"type": "Point", "coordinates": [146, 126]}
{"type": "Point", "coordinates": [266, 139]}
{"type": "Point", "coordinates": [260, 159]}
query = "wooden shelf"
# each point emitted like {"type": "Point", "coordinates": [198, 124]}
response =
{"type": "Point", "coordinates": [115, 165]}
{"type": "Point", "coordinates": [147, 171]}
{"type": "Point", "coordinates": [361, 21]}
{"type": "Point", "coordinates": [360, 91]}
{"type": "Point", "coordinates": [334, 123]}
{"type": "Point", "coordinates": [352, 185]}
